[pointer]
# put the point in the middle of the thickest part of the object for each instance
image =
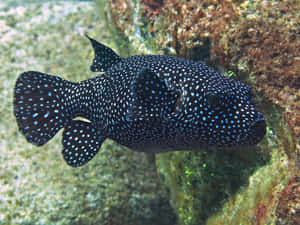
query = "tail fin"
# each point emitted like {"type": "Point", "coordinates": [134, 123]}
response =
{"type": "Point", "coordinates": [40, 105]}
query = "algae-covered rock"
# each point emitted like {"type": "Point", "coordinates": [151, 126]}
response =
{"type": "Point", "coordinates": [259, 41]}
{"type": "Point", "coordinates": [118, 186]}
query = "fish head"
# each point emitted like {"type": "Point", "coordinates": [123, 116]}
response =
{"type": "Point", "coordinates": [227, 115]}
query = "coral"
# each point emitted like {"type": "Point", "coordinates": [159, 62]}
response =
{"type": "Point", "coordinates": [154, 6]}
{"type": "Point", "coordinates": [288, 208]}
{"type": "Point", "coordinates": [195, 24]}
{"type": "Point", "coordinates": [264, 41]}
{"type": "Point", "coordinates": [260, 213]}
{"type": "Point", "coordinates": [179, 27]}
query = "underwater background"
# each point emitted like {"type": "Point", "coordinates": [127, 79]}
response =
{"type": "Point", "coordinates": [257, 42]}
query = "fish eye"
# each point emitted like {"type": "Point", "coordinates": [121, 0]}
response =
{"type": "Point", "coordinates": [214, 100]}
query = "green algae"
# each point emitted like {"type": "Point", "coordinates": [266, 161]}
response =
{"type": "Point", "coordinates": [199, 182]}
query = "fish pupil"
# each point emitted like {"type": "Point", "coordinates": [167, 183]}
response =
{"type": "Point", "coordinates": [215, 101]}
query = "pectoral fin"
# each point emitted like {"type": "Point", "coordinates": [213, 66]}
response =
{"type": "Point", "coordinates": [151, 96]}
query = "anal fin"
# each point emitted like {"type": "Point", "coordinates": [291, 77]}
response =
{"type": "Point", "coordinates": [81, 143]}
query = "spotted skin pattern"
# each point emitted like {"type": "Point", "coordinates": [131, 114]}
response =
{"type": "Point", "coordinates": [149, 103]}
{"type": "Point", "coordinates": [104, 57]}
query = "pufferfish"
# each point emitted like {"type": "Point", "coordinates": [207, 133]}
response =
{"type": "Point", "coordinates": [149, 103]}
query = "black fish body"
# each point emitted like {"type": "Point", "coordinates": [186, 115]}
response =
{"type": "Point", "coordinates": [148, 103]}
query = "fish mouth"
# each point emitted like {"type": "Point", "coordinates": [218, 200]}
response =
{"type": "Point", "coordinates": [256, 131]}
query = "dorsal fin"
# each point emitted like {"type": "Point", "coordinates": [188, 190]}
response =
{"type": "Point", "coordinates": [104, 56]}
